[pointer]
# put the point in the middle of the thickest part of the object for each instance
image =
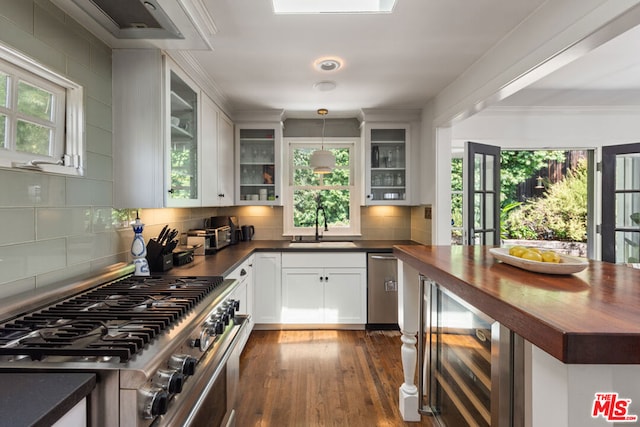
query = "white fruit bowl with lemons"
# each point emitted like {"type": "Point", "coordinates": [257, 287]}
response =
{"type": "Point", "coordinates": [539, 260]}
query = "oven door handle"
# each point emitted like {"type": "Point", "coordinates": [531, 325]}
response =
{"type": "Point", "coordinates": [186, 411]}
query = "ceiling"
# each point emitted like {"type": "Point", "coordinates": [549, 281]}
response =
{"type": "Point", "coordinates": [399, 60]}
{"type": "Point", "coordinates": [608, 76]}
{"type": "Point", "coordinates": [256, 60]}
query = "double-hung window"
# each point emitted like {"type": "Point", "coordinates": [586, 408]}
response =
{"type": "Point", "coordinates": [338, 192]}
{"type": "Point", "coordinates": [41, 120]}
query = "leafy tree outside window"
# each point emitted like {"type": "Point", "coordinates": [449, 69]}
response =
{"type": "Point", "coordinates": [336, 192]}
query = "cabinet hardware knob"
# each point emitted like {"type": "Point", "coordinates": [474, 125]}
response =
{"type": "Point", "coordinates": [326, 279]}
{"type": "Point", "coordinates": [171, 191]}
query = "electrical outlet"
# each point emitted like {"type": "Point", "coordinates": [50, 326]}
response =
{"type": "Point", "coordinates": [427, 212]}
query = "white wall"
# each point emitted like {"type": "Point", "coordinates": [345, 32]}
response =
{"type": "Point", "coordinates": [549, 128]}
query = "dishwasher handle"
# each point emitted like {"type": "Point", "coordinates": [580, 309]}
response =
{"type": "Point", "coordinates": [384, 257]}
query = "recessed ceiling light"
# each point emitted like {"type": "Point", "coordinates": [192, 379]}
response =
{"type": "Point", "coordinates": [325, 86]}
{"type": "Point", "coordinates": [333, 6]}
{"type": "Point", "coordinates": [328, 64]}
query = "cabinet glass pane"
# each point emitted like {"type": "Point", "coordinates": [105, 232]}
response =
{"type": "Point", "coordinates": [4, 84]}
{"type": "Point", "coordinates": [257, 164]}
{"type": "Point", "coordinates": [388, 164]}
{"type": "Point", "coordinates": [184, 141]}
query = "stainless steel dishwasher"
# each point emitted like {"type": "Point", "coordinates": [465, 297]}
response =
{"type": "Point", "coordinates": [382, 291]}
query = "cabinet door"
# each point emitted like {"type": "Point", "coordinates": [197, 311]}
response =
{"type": "Point", "coordinates": [345, 295]}
{"type": "Point", "coordinates": [267, 287]}
{"type": "Point", "coordinates": [138, 133]}
{"type": "Point", "coordinates": [302, 295]}
{"type": "Point", "coordinates": [225, 161]}
{"type": "Point", "coordinates": [387, 173]}
{"type": "Point", "coordinates": [209, 149]}
{"type": "Point", "coordinates": [258, 165]}
{"type": "Point", "coordinates": [182, 140]}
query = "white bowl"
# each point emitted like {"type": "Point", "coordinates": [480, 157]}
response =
{"type": "Point", "coordinates": [175, 121]}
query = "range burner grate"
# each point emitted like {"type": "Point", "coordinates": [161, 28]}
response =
{"type": "Point", "coordinates": [116, 319]}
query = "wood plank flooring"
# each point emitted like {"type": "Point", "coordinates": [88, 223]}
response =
{"type": "Point", "coordinates": [321, 378]}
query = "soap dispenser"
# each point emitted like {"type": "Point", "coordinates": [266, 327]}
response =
{"type": "Point", "coordinates": [139, 249]}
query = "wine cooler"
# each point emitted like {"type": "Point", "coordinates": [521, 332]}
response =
{"type": "Point", "coordinates": [472, 366]}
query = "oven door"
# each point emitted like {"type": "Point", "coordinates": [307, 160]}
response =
{"type": "Point", "coordinates": [209, 396]}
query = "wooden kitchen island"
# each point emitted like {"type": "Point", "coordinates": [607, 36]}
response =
{"type": "Point", "coordinates": [581, 331]}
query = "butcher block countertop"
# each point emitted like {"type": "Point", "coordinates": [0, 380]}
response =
{"type": "Point", "coordinates": [590, 317]}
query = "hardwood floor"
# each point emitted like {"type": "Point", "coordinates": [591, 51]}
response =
{"type": "Point", "coordinates": [321, 378]}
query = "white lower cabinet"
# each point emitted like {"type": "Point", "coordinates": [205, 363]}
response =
{"type": "Point", "coordinates": [324, 288]}
{"type": "Point", "coordinates": [267, 287]}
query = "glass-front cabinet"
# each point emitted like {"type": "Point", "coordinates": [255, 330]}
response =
{"type": "Point", "coordinates": [184, 163]}
{"type": "Point", "coordinates": [387, 172]}
{"type": "Point", "coordinates": [258, 165]}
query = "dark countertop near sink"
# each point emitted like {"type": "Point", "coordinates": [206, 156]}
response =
{"type": "Point", "coordinates": [41, 399]}
{"type": "Point", "coordinates": [227, 259]}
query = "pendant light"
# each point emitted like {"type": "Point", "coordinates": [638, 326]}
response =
{"type": "Point", "coordinates": [322, 161]}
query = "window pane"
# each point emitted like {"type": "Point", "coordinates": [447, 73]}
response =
{"type": "Point", "coordinates": [3, 131]}
{"type": "Point", "coordinates": [33, 138]}
{"type": "Point", "coordinates": [339, 177]}
{"type": "Point", "coordinates": [628, 171]}
{"type": "Point", "coordinates": [4, 81]}
{"type": "Point", "coordinates": [627, 247]}
{"type": "Point", "coordinates": [305, 176]}
{"type": "Point", "coordinates": [628, 210]}
{"type": "Point", "coordinates": [301, 156]}
{"type": "Point", "coordinates": [34, 101]}
{"type": "Point", "coordinates": [342, 156]}
{"type": "Point", "coordinates": [478, 182]}
{"type": "Point", "coordinates": [335, 203]}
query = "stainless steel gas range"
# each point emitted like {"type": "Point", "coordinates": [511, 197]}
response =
{"type": "Point", "coordinates": [163, 348]}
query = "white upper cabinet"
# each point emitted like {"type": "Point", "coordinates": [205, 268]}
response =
{"type": "Point", "coordinates": [258, 164]}
{"type": "Point", "coordinates": [184, 161]}
{"type": "Point", "coordinates": [172, 146]}
{"type": "Point", "coordinates": [217, 155]}
{"type": "Point", "coordinates": [389, 157]}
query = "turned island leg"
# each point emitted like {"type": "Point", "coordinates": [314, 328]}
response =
{"type": "Point", "coordinates": [408, 319]}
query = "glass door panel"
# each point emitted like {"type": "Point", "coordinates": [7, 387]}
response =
{"type": "Point", "coordinates": [388, 165]}
{"type": "Point", "coordinates": [621, 203]}
{"type": "Point", "coordinates": [184, 140]}
{"type": "Point", "coordinates": [257, 165]}
{"type": "Point", "coordinates": [482, 190]}
{"type": "Point", "coordinates": [462, 369]}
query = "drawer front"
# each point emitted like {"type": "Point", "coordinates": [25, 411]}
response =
{"type": "Point", "coordinates": [324, 260]}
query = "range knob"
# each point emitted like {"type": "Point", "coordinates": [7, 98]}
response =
{"type": "Point", "coordinates": [204, 339]}
{"type": "Point", "coordinates": [223, 315]}
{"type": "Point", "coordinates": [236, 304]}
{"type": "Point", "coordinates": [169, 380]}
{"type": "Point", "coordinates": [183, 363]}
{"type": "Point", "coordinates": [154, 402]}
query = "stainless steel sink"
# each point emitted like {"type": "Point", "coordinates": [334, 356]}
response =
{"type": "Point", "coordinates": [324, 244]}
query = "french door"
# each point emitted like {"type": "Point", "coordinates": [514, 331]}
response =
{"type": "Point", "coordinates": [482, 194]}
{"type": "Point", "coordinates": [621, 203]}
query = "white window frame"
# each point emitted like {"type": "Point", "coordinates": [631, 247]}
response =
{"type": "Point", "coordinates": [68, 123]}
{"type": "Point", "coordinates": [355, 194]}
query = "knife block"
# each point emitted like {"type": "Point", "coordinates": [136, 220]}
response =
{"type": "Point", "coordinates": [157, 260]}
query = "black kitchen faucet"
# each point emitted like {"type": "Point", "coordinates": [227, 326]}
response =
{"type": "Point", "coordinates": [324, 214]}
